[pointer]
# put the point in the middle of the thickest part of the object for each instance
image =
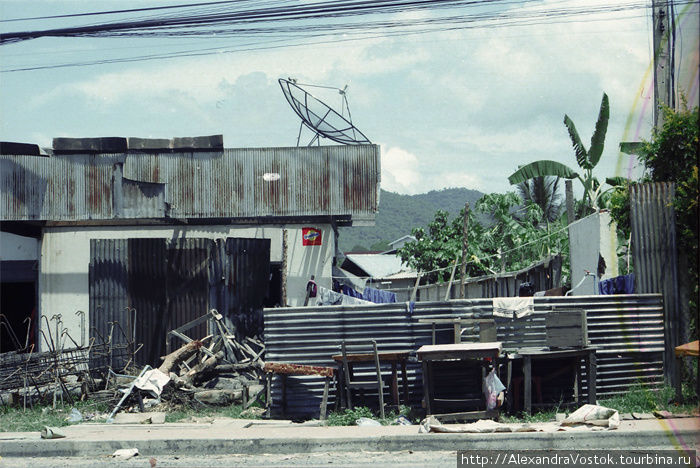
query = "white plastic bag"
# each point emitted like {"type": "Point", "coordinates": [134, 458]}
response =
{"type": "Point", "coordinates": [492, 387]}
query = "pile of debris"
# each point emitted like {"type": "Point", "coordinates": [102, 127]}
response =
{"type": "Point", "coordinates": [217, 369]}
{"type": "Point", "coordinates": [65, 369]}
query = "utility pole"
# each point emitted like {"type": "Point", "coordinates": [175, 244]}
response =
{"type": "Point", "coordinates": [663, 66]}
{"type": "Point", "coordinates": [465, 248]}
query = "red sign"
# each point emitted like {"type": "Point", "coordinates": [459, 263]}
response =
{"type": "Point", "coordinates": [310, 236]}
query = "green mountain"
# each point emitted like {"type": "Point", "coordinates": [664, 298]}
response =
{"type": "Point", "coordinates": [399, 214]}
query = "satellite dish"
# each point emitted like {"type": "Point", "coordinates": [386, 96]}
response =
{"type": "Point", "coordinates": [320, 118]}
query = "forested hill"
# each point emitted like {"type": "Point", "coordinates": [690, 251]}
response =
{"type": "Point", "coordinates": [399, 214]}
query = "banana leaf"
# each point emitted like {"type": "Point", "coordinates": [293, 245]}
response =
{"type": "Point", "coordinates": [598, 138]}
{"type": "Point", "coordinates": [542, 168]}
{"type": "Point", "coordinates": [579, 149]}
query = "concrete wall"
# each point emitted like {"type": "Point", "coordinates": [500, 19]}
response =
{"type": "Point", "coordinates": [590, 237]}
{"type": "Point", "coordinates": [14, 247]}
{"type": "Point", "coordinates": [65, 260]}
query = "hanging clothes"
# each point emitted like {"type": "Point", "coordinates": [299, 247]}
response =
{"type": "Point", "coordinates": [378, 296]}
{"type": "Point", "coordinates": [349, 291]}
{"type": "Point", "coordinates": [513, 307]}
{"type": "Point", "coordinates": [328, 297]}
{"type": "Point", "coordinates": [623, 284]}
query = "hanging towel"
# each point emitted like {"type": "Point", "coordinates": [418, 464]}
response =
{"type": "Point", "coordinates": [378, 296]}
{"type": "Point", "coordinates": [513, 307]}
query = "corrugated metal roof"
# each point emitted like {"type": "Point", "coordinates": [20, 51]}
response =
{"type": "Point", "coordinates": [235, 183]}
{"type": "Point", "coordinates": [378, 265]}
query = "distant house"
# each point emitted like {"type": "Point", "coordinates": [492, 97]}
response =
{"type": "Point", "coordinates": [400, 242]}
{"type": "Point", "coordinates": [167, 229]}
{"type": "Point", "coordinates": [381, 270]}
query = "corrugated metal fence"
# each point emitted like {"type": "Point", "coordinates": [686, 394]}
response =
{"type": "Point", "coordinates": [655, 256]}
{"type": "Point", "coordinates": [628, 330]}
{"type": "Point", "coordinates": [543, 275]}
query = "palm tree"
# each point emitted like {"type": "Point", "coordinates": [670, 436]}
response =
{"type": "Point", "coordinates": [586, 159]}
{"type": "Point", "coordinates": [543, 191]}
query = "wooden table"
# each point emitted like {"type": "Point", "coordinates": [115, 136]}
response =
{"type": "Point", "coordinates": [528, 355]}
{"type": "Point", "coordinates": [430, 354]}
{"type": "Point", "coordinates": [486, 326]}
{"type": "Point", "coordinates": [395, 358]}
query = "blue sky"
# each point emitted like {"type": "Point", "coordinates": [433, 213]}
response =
{"type": "Point", "coordinates": [460, 108]}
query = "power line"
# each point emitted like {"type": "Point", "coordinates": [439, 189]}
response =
{"type": "Point", "coordinates": [288, 26]}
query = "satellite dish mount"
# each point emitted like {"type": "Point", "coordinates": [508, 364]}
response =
{"type": "Point", "coordinates": [321, 119]}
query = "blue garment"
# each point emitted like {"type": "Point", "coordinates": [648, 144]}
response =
{"type": "Point", "coordinates": [619, 285]}
{"type": "Point", "coordinates": [378, 296]}
{"type": "Point", "coordinates": [348, 291]}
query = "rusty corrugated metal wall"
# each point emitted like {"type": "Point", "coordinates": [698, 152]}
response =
{"type": "Point", "coordinates": [109, 285]}
{"type": "Point", "coordinates": [627, 329]}
{"type": "Point", "coordinates": [235, 183]}
{"type": "Point", "coordinates": [170, 282]}
{"type": "Point", "coordinates": [655, 257]}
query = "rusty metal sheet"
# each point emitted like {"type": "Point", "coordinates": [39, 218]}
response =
{"type": "Point", "coordinates": [234, 183]}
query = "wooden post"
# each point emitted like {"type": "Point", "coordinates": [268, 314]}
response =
{"type": "Point", "coordinates": [570, 201]}
{"type": "Point", "coordinates": [284, 268]}
{"type": "Point", "coordinates": [452, 277]}
{"type": "Point", "coordinates": [663, 60]}
{"type": "Point", "coordinates": [415, 288]}
{"type": "Point", "coordinates": [465, 246]}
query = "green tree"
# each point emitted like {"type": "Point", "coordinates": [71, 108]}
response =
{"type": "Point", "coordinates": [587, 159]}
{"type": "Point", "coordinates": [672, 155]}
{"type": "Point", "coordinates": [544, 192]}
{"type": "Point", "coordinates": [512, 240]}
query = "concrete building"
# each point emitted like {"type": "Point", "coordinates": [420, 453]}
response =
{"type": "Point", "coordinates": [156, 232]}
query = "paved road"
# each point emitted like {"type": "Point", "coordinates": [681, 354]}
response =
{"type": "Point", "coordinates": [360, 459]}
{"type": "Point", "coordinates": [340, 459]}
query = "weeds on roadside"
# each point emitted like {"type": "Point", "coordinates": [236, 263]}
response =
{"type": "Point", "coordinates": [348, 417]}
{"type": "Point", "coordinates": [14, 419]}
{"type": "Point", "coordinates": [644, 399]}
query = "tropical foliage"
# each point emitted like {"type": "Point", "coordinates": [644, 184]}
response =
{"type": "Point", "coordinates": [544, 192]}
{"type": "Point", "coordinates": [587, 160]}
{"type": "Point", "coordinates": [516, 236]}
{"type": "Point", "coordinates": [672, 155]}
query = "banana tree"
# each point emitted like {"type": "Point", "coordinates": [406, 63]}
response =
{"type": "Point", "coordinates": [587, 159]}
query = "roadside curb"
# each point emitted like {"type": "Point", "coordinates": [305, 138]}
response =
{"type": "Point", "coordinates": [378, 443]}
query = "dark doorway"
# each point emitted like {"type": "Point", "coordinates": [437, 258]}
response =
{"type": "Point", "coordinates": [274, 291]}
{"type": "Point", "coordinates": [171, 282]}
{"type": "Point", "coordinates": [17, 304]}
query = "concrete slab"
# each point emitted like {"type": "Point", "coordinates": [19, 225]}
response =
{"type": "Point", "coordinates": [139, 418]}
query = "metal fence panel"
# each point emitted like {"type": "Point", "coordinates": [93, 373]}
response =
{"type": "Point", "coordinates": [628, 330]}
{"type": "Point", "coordinates": [655, 256]}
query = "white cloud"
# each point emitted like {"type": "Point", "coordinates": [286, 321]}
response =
{"type": "Point", "coordinates": [406, 173]}
{"type": "Point", "coordinates": [400, 171]}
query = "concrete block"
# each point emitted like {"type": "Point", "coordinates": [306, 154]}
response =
{"type": "Point", "coordinates": [211, 142]}
{"type": "Point", "coordinates": [218, 397]}
{"type": "Point", "coordinates": [90, 145]}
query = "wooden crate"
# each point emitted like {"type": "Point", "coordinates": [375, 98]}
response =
{"type": "Point", "coordinates": [566, 328]}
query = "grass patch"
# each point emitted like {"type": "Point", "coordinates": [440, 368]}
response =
{"type": "Point", "coordinates": [348, 417]}
{"type": "Point", "coordinates": [13, 419]}
{"type": "Point", "coordinates": [536, 417]}
{"type": "Point", "coordinates": [233, 411]}
{"type": "Point", "coordinates": [645, 399]}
